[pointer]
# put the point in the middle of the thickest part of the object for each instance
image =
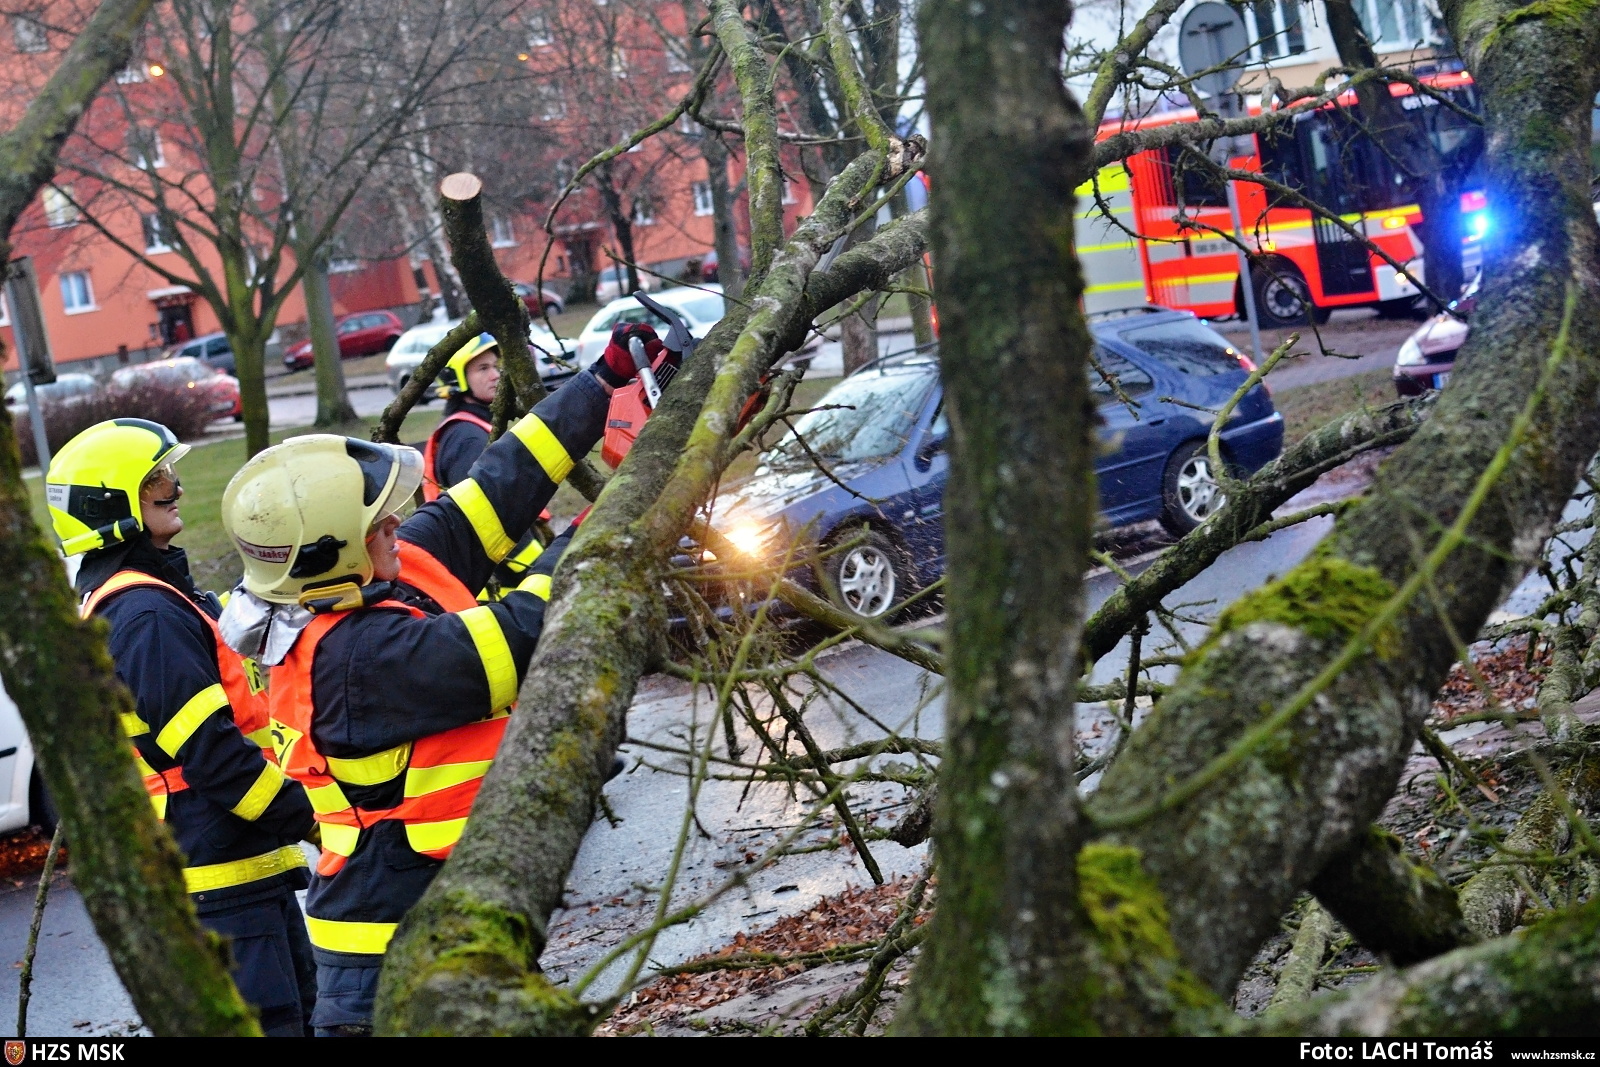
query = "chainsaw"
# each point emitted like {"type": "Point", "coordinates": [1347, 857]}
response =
{"type": "Point", "coordinates": [632, 404]}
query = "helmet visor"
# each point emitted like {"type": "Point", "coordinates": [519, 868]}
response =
{"type": "Point", "coordinates": [407, 479]}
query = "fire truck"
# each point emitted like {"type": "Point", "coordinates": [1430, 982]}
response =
{"type": "Point", "coordinates": [1143, 254]}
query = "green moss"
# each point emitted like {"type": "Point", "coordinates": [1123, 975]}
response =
{"type": "Point", "coordinates": [1326, 597]}
{"type": "Point", "coordinates": [1572, 13]}
{"type": "Point", "coordinates": [1129, 916]}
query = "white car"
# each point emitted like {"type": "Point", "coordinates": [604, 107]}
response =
{"type": "Point", "coordinates": [700, 307]}
{"type": "Point", "coordinates": [556, 362]}
{"type": "Point", "coordinates": [67, 390]}
{"type": "Point", "coordinates": [613, 280]}
{"type": "Point", "coordinates": [22, 797]}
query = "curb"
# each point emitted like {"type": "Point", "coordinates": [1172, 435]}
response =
{"type": "Point", "coordinates": [360, 381]}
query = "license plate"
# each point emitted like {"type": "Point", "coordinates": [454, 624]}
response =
{"type": "Point", "coordinates": [1441, 380]}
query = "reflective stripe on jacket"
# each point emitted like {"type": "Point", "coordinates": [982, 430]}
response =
{"type": "Point", "coordinates": [442, 772]}
{"type": "Point", "coordinates": [430, 479]}
{"type": "Point", "coordinates": [242, 695]}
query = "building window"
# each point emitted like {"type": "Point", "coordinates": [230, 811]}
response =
{"type": "Point", "coordinates": [501, 234]}
{"type": "Point", "coordinates": [688, 126]}
{"type": "Point", "coordinates": [788, 191]}
{"type": "Point", "coordinates": [133, 72]}
{"type": "Point", "coordinates": [5, 311]}
{"type": "Point", "coordinates": [619, 63]}
{"type": "Point", "coordinates": [144, 148]}
{"type": "Point", "coordinates": [29, 33]}
{"type": "Point", "coordinates": [702, 198]}
{"type": "Point", "coordinates": [156, 237]}
{"type": "Point", "coordinates": [77, 295]}
{"type": "Point", "coordinates": [59, 210]}
{"type": "Point", "coordinates": [644, 212]}
{"type": "Point", "coordinates": [539, 34]}
{"type": "Point", "coordinates": [1279, 31]}
{"type": "Point", "coordinates": [676, 63]}
{"type": "Point", "coordinates": [343, 264]}
{"type": "Point", "coordinates": [1396, 23]}
{"type": "Point", "coordinates": [563, 171]}
{"type": "Point", "coordinates": [550, 103]}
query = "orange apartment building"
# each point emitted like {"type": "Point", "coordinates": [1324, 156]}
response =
{"type": "Point", "coordinates": [103, 307]}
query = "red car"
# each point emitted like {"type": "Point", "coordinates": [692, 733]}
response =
{"type": "Point", "coordinates": [222, 389]}
{"type": "Point", "coordinates": [362, 334]}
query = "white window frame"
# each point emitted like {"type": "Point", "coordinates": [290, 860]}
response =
{"type": "Point", "coordinates": [5, 309]}
{"type": "Point", "coordinates": [618, 62]}
{"type": "Point", "coordinates": [676, 64]}
{"type": "Point", "coordinates": [160, 245]}
{"type": "Point", "coordinates": [788, 192]}
{"type": "Point", "coordinates": [551, 102]}
{"type": "Point", "coordinates": [59, 210]}
{"type": "Point", "coordinates": [132, 73]}
{"type": "Point", "coordinates": [29, 34]}
{"type": "Point", "coordinates": [701, 192]}
{"type": "Point", "coordinates": [343, 264]}
{"type": "Point", "coordinates": [502, 233]}
{"type": "Point", "coordinates": [539, 35]}
{"type": "Point", "coordinates": [88, 293]}
{"type": "Point", "coordinates": [643, 211]}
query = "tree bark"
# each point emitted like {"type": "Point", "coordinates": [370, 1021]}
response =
{"type": "Point", "coordinates": [333, 397]}
{"type": "Point", "coordinates": [1394, 907]}
{"type": "Point", "coordinates": [465, 959]}
{"type": "Point", "coordinates": [1011, 944]}
{"type": "Point", "coordinates": [1233, 813]}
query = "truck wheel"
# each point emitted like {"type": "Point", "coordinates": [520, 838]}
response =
{"type": "Point", "coordinates": [1282, 296]}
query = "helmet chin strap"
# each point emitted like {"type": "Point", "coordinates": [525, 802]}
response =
{"type": "Point", "coordinates": [346, 596]}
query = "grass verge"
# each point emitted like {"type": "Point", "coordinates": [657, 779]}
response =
{"type": "Point", "coordinates": [1306, 407]}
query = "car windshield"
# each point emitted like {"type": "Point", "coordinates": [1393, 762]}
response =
{"type": "Point", "coordinates": [418, 343]}
{"type": "Point", "coordinates": [1186, 346]}
{"type": "Point", "coordinates": [867, 416]}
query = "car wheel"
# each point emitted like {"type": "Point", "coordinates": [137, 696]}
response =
{"type": "Point", "coordinates": [41, 809]}
{"type": "Point", "coordinates": [1282, 296]}
{"type": "Point", "coordinates": [868, 578]}
{"type": "Point", "coordinates": [552, 308]}
{"type": "Point", "coordinates": [1190, 491]}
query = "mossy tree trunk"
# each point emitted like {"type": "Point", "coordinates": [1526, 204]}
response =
{"type": "Point", "coordinates": [1234, 808]}
{"type": "Point", "coordinates": [1005, 953]}
{"type": "Point", "coordinates": [56, 667]}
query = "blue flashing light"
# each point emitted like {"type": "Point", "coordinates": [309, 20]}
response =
{"type": "Point", "coordinates": [1477, 224]}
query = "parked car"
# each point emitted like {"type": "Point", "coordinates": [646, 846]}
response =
{"type": "Point", "coordinates": [67, 389]}
{"type": "Point", "coordinates": [223, 389]}
{"type": "Point", "coordinates": [1427, 357]}
{"type": "Point", "coordinates": [23, 801]}
{"type": "Point", "coordinates": [556, 363]}
{"type": "Point", "coordinates": [614, 282]}
{"type": "Point", "coordinates": [708, 264]}
{"type": "Point", "coordinates": [701, 307]}
{"type": "Point", "coordinates": [213, 349]}
{"type": "Point", "coordinates": [882, 432]}
{"type": "Point", "coordinates": [539, 301]}
{"type": "Point", "coordinates": [364, 334]}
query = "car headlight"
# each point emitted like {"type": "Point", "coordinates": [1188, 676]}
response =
{"type": "Point", "coordinates": [754, 540]}
{"type": "Point", "coordinates": [1410, 354]}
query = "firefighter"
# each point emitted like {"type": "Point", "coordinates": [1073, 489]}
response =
{"type": "Point", "coordinates": [200, 729]}
{"type": "Point", "coordinates": [390, 684]}
{"type": "Point", "coordinates": [468, 380]}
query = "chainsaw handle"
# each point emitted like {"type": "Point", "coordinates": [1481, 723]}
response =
{"type": "Point", "coordinates": [641, 362]}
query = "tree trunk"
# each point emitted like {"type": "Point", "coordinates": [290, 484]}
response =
{"type": "Point", "coordinates": [1286, 732]}
{"type": "Point", "coordinates": [333, 398]}
{"type": "Point", "coordinates": [1009, 944]}
{"type": "Point", "coordinates": [858, 333]}
{"type": "Point", "coordinates": [725, 234]}
{"type": "Point", "coordinates": [621, 224]}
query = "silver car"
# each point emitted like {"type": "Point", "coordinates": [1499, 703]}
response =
{"type": "Point", "coordinates": [554, 355]}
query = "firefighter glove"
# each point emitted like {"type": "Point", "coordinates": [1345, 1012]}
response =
{"type": "Point", "coordinates": [615, 366]}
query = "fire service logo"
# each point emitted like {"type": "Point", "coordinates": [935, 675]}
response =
{"type": "Point", "coordinates": [15, 1051]}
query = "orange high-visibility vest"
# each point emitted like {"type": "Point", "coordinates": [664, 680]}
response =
{"type": "Point", "coordinates": [443, 772]}
{"type": "Point", "coordinates": [430, 479]}
{"type": "Point", "coordinates": [241, 683]}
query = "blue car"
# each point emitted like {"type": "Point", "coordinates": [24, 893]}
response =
{"type": "Point", "coordinates": [881, 435]}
